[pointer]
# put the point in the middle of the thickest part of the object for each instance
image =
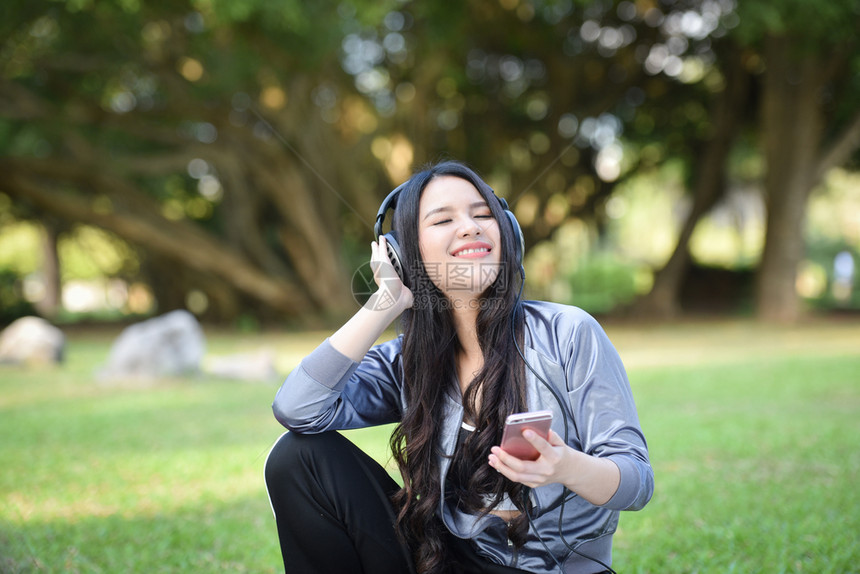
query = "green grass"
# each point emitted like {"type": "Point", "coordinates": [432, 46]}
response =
{"type": "Point", "coordinates": [756, 466]}
{"type": "Point", "coordinates": [753, 431]}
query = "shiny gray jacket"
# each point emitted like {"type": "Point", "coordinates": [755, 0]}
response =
{"type": "Point", "coordinates": [569, 349]}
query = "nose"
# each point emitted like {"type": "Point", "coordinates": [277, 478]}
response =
{"type": "Point", "coordinates": [470, 227]}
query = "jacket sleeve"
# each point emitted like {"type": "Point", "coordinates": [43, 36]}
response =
{"type": "Point", "coordinates": [330, 391]}
{"type": "Point", "coordinates": [605, 414]}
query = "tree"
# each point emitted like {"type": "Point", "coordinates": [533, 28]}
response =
{"type": "Point", "coordinates": [164, 125]}
{"type": "Point", "coordinates": [709, 165]}
{"type": "Point", "coordinates": [809, 122]}
{"type": "Point", "coordinates": [183, 101]}
{"type": "Point", "coordinates": [785, 69]}
{"type": "Point", "coordinates": [242, 146]}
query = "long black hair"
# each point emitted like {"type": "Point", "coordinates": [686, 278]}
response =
{"type": "Point", "coordinates": [429, 352]}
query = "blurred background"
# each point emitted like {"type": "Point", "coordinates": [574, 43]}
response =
{"type": "Point", "coordinates": [228, 156]}
{"type": "Point", "coordinates": [686, 170]}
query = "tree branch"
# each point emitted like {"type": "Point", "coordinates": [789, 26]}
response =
{"type": "Point", "coordinates": [19, 103]}
{"type": "Point", "coordinates": [177, 240]}
{"type": "Point", "coordinates": [840, 150]}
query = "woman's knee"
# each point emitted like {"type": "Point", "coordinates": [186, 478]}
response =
{"type": "Point", "coordinates": [293, 452]}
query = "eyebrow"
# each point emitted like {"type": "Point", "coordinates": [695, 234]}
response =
{"type": "Point", "coordinates": [449, 208]}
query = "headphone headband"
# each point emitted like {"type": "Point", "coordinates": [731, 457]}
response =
{"type": "Point", "coordinates": [389, 202]}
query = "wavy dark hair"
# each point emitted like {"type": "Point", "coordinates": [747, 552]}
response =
{"type": "Point", "coordinates": [430, 347]}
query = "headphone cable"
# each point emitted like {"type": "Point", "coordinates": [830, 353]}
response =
{"type": "Point", "coordinates": [564, 414]}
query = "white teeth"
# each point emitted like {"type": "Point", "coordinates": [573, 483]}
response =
{"type": "Point", "coordinates": [468, 251]}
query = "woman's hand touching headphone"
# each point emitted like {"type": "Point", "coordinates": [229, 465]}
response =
{"type": "Point", "coordinates": [391, 294]}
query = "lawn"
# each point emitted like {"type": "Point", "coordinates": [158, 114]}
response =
{"type": "Point", "coordinates": [754, 435]}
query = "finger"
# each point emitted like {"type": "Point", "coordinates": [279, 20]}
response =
{"type": "Point", "coordinates": [528, 479]}
{"type": "Point", "coordinates": [537, 441]}
{"type": "Point", "coordinates": [555, 439]}
{"type": "Point", "coordinates": [383, 248]}
{"type": "Point", "coordinates": [386, 261]}
{"type": "Point", "coordinates": [497, 464]}
{"type": "Point", "coordinates": [508, 470]}
{"type": "Point", "coordinates": [508, 460]}
{"type": "Point", "coordinates": [380, 263]}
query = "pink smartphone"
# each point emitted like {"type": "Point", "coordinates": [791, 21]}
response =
{"type": "Point", "coordinates": [512, 439]}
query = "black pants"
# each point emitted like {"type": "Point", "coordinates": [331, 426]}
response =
{"type": "Point", "coordinates": [334, 515]}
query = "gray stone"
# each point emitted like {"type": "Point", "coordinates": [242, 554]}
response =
{"type": "Point", "coordinates": [256, 366]}
{"type": "Point", "coordinates": [172, 344]}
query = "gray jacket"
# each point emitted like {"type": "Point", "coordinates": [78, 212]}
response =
{"type": "Point", "coordinates": [329, 391]}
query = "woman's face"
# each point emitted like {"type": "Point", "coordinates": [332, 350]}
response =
{"type": "Point", "coordinates": [458, 237]}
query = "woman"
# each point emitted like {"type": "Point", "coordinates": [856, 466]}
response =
{"type": "Point", "coordinates": [470, 354]}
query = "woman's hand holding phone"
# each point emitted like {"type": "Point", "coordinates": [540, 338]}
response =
{"type": "Point", "coordinates": [543, 455]}
{"type": "Point", "coordinates": [513, 441]}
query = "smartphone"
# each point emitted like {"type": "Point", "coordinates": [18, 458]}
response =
{"type": "Point", "coordinates": [512, 438]}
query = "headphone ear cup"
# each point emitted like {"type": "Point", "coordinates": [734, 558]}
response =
{"type": "Point", "coordinates": [393, 251]}
{"type": "Point", "coordinates": [518, 233]}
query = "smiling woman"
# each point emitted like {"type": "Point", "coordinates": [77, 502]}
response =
{"type": "Point", "coordinates": [449, 382]}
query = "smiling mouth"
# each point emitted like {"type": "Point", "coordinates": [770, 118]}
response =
{"type": "Point", "coordinates": [471, 251]}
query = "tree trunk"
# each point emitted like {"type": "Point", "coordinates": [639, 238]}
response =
{"type": "Point", "coordinates": [243, 211]}
{"type": "Point", "coordinates": [792, 133]}
{"type": "Point", "coordinates": [709, 186]}
{"type": "Point", "coordinates": [49, 306]}
{"type": "Point", "coordinates": [308, 238]}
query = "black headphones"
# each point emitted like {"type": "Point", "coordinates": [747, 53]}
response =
{"type": "Point", "coordinates": [394, 252]}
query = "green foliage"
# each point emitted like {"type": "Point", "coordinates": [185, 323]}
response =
{"type": "Point", "coordinates": [12, 302]}
{"type": "Point", "coordinates": [19, 242]}
{"type": "Point", "coordinates": [818, 25]}
{"type": "Point", "coordinates": [91, 253]}
{"type": "Point", "coordinates": [603, 283]}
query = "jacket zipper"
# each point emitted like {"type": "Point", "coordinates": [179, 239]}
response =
{"type": "Point", "coordinates": [514, 553]}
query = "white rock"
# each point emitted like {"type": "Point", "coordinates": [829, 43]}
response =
{"type": "Point", "coordinates": [172, 344]}
{"type": "Point", "coordinates": [257, 366]}
{"type": "Point", "coordinates": [32, 341]}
